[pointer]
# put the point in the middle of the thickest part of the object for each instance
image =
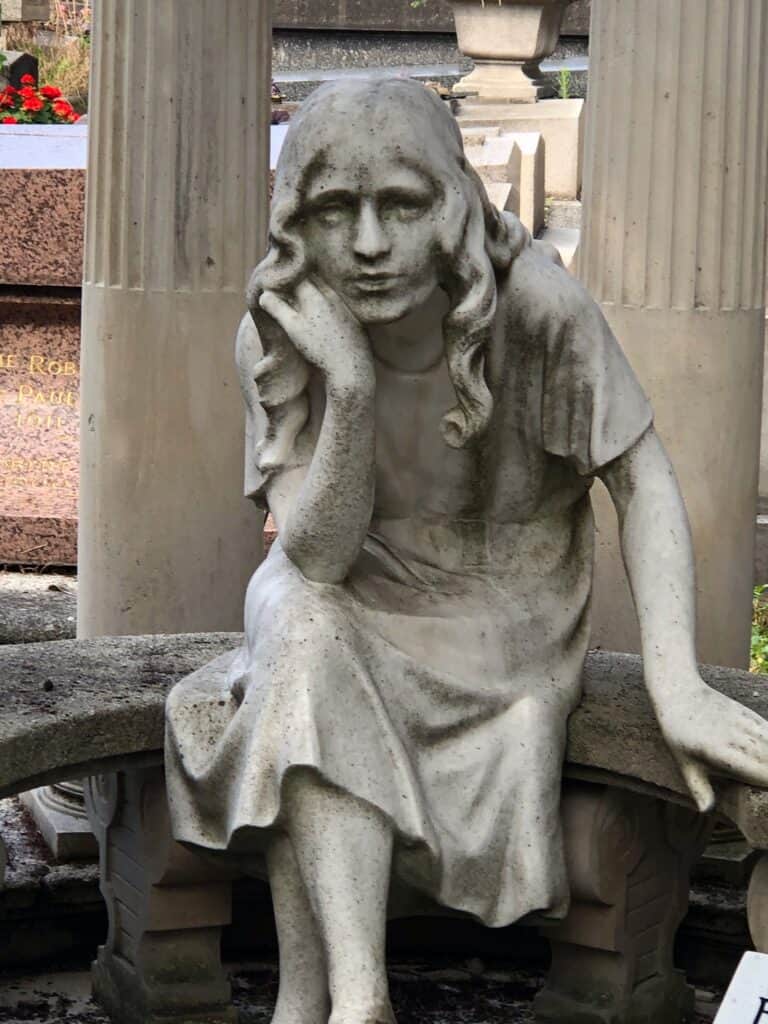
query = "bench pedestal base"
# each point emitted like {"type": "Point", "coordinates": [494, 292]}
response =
{"type": "Point", "coordinates": [161, 963]}
{"type": "Point", "coordinates": [130, 994]}
{"type": "Point", "coordinates": [629, 861]}
{"type": "Point", "coordinates": [629, 858]}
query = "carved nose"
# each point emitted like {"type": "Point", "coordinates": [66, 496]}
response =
{"type": "Point", "coordinates": [371, 240]}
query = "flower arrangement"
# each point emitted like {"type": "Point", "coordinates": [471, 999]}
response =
{"type": "Point", "coordinates": [30, 105]}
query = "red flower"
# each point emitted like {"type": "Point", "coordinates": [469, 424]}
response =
{"type": "Point", "coordinates": [8, 120]}
{"type": "Point", "coordinates": [62, 108]}
{"type": "Point", "coordinates": [6, 99]}
{"type": "Point", "coordinates": [33, 104]}
{"type": "Point", "coordinates": [27, 79]}
{"type": "Point", "coordinates": [27, 92]}
{"type": "Point", "coordinates": [50, 92]}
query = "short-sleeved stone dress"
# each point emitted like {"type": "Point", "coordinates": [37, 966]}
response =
{"type": "Point", "coordinates": [436, 681]}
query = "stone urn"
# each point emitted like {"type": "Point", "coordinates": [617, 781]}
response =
{"type": "Point", "coordinates": [507, 39]}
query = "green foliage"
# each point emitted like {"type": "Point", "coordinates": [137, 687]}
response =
{"type": "Point", "coordinates": [564, 84]}
{"type": "Point", "coordinates": [759, 651]}
{"type": "Point", "coordinates": [3, 61]}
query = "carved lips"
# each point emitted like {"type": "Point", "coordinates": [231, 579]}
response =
{"type": "Point", "coordinates": [373, 283]}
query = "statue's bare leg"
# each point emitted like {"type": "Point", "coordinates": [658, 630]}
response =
{"type": "Point", "coordinates": [344, 851]}
{"type": "Point", "coordinates": [303, 995]}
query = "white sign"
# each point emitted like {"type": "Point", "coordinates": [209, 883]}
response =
{"type": "Point", "coordinates": [276, 139]}
{"type": "Point", "coordinates": [746, 1001]}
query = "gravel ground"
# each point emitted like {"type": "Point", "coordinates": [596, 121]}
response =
{"type": "Point", "coordinates": [422, 993]}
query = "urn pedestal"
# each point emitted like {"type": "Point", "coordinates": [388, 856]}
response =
{"type": "Point", "coordinates": [507, 39]}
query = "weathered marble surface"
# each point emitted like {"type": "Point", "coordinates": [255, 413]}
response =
{"type": "Point", "coordinates": [37, 607]}
{"type": "Point", "coordinates": [67, 702]}
{"type": "Point", "coordinates": [429, 399]}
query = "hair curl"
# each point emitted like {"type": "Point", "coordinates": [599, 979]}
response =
{"type": "Point", "coordinates": [475, 242]}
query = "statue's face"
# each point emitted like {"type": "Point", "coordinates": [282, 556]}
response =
{"type": "Point", "coordinates": [370, 234]}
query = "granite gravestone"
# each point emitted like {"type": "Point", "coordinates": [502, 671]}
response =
{"type": "Point", "coordinates": [39, 414]}
{"type": "Point", "coordinates": [42, 195]}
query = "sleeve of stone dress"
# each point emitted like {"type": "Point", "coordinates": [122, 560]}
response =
{"type": "Point", "coordinates": [593, 407]}
{"type": "Point", "coordinates": [274, 420]}
{"type": "Point", "coordinates": [247, 353]}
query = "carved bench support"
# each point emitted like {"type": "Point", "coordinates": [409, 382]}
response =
{"type": "Point", "coordinates": [161, 962]}
{"type": "Point", "coordinates": [757, 905]}
{"type": "Point", "coordinates": [629, 859]}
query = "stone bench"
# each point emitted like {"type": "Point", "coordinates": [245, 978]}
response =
{"type": "Point", "coordinates": [95, 707]}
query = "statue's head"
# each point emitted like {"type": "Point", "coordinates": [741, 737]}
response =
{"type": "Point", "coordinates": [374, 195]}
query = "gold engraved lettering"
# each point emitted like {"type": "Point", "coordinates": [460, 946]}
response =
{"type": "Point", "coordinates": [27, 395]}
{"type": "Point", "coordinates": [52, 367]}
{"type": "Point", "coordinates": [39, 419]}
{"type": "Point", "coordinates": [9, 361]}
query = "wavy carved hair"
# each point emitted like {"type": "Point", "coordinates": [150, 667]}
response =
{"type": "Point", "coordinates": [474, 243]}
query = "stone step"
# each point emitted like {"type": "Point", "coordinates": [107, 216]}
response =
{"type": "Point", "coordinates": [560, 122]}
{"type": "Point", "coordinates": [564, 213]}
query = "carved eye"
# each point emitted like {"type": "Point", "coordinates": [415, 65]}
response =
{"type": "Point", "coordinates": [403, 208]}
{"type": "Point", "coordinates": [331, 215]}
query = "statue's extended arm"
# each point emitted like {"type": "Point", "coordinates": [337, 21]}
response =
{"type": "Point", "coordinates": [323, 512]}
{"type": "Point", "coordinates": [705, 730]}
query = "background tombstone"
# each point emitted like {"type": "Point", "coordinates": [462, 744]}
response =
{"type": "Point", "coordinates": [17, 65]}
{"type": "Point", "coordinates": [26, 10]}
{"type": "Point", "coordinates": [673, 247]}
{"type": "Point", "coordinates": [42, 188]}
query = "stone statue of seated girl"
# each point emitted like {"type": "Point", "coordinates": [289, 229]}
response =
{"type": "Point", "coordinates": [430, 397]}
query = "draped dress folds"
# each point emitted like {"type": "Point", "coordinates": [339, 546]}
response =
{"type": "Point", "coordinates": [436, 681]}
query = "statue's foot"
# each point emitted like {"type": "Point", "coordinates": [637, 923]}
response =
{"type": "Point", "coordinates": [378, 1019]}
{"type": "Point", "coordinates": [377, 1016]}
{"type": "Point", "coordinates": [305, 1011]}
{"type": "Point", "coordinates": [302, 1016]}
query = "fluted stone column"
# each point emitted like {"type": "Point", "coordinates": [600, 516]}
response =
{"type": "Point", "coordinates": [673, 248]}
{"type": "Point", "coordinates": [176, 219]}
{"type": "Point", "coordinates": [177, 206]}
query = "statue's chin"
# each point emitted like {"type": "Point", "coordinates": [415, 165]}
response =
{"type": "Point", "coordinates": [380, 310]}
